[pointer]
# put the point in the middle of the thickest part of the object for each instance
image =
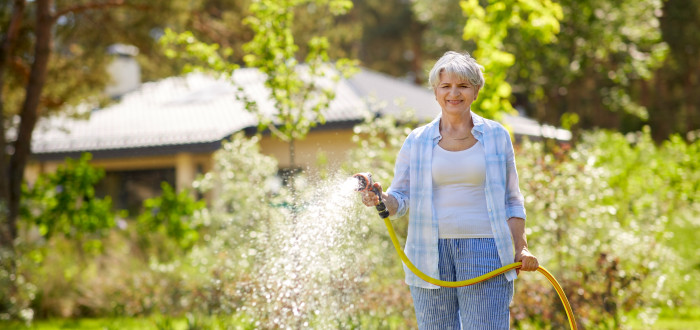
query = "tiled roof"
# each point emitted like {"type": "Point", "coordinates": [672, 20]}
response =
{"type": "Point", "coordinates": [197, 109]}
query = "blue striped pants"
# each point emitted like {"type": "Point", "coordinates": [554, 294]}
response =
{"type": "Point", "coordinates": [484, 305]}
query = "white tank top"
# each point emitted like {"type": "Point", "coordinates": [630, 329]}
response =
{"type": "Point", "coordinates": [459, 195]}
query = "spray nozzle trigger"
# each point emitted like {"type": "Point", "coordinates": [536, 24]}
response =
{"type": "Point", "coordinates": [365, 183]}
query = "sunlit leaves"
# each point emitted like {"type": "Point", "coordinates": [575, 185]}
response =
{"type": "Point", "coordinates": [196, 55]}
{"type": "Point", "coordinates": [603, 47]}
{"type": "Point", "coordinates": [64, 202]}
{"type": "Point", "coordinates": [171, 214]}
{"type": "Point", "coordinates": [488, 26]}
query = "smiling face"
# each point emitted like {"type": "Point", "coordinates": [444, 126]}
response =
{"type": "Point", "coordinates": [455, 95]}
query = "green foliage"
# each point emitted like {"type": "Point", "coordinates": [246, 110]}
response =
{"type": "Point", "coordinates": [171, 214]}
{"type": "Point", "coordinates": [196, 55]}
{"type": "Point", "coordinates": [77, 68]}
{"type": "Point", "coordinates": [64, 202]}
{"type": "Point", "coordinates": [604, 48]}
{"type": "Point", "coordinates": [60, 212]}
{"type": "Point", "coordinates": [488, 26]}
{"type": "Point", "coordinates": [610, 207]}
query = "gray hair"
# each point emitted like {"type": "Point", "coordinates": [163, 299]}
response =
{"type": "Point", "coordinates": [462, 66]}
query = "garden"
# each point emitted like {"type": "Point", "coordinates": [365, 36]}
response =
{"type": "Point", "coordinates": [612, 212]}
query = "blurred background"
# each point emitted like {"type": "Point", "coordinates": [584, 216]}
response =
{"type": "Point", "coordinates": [183, 164]}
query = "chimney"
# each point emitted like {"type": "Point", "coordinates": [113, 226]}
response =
{"type": "Point", "coordinates": [124, 70]}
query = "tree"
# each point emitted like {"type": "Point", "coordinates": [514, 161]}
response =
{"type": "Point", "coordinates": [671, 96]}
{"type": "Point", "coordinates": [301, 84]}
{"type": "Point", "coordinates": [297, 90]}
{"type": "Point", "coordinates": [602, 49]}
{"type": "Point", "coordinates": [391, 38]}
{"type": "Point", "coordinates": [488, 26]}
{"type": "Point", "coordinates": [53, 57]}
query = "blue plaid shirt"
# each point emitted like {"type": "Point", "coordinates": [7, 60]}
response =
{"type": "Point", "coordinates": [413, 189]}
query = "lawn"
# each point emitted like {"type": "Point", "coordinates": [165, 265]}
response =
{"type": "Point", "coordinates": [684, 318]}
{"type": "Point", "coordinates": [673, 319]}
{"type": "Point", "coordinates": [155, 323]}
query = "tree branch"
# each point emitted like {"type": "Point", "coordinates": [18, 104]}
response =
{"type": "Point", "coordinates": [76, 9]}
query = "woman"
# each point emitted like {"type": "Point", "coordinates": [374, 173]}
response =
{"type": "Point", "coordinates": [457, 176]}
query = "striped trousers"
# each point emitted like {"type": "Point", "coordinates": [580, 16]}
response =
{"type": "Point", "coordinates": [484, 305]}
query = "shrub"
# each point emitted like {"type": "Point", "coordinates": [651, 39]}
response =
{"type": "Point", "coordinates": [607, 209]}
{"type": "Point", "coordinates": [64, 202]}
{"type": "Point", "coordinates": [169, 217]}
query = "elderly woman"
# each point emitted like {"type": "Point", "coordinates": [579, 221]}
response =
{"type": "Point", "coordinates": [457, 176]}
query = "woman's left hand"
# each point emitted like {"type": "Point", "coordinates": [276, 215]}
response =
{"type": "Point", "coordinates": [530, 263]}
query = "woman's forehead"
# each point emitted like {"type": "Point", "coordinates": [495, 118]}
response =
{"type": "Point", "coordinates": [453, 77]}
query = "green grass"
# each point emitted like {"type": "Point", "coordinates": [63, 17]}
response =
{"type": "Point", "coordinates": [669, 319]}
{"type": "Point", "coordinates": [155, 323]}
{"type": "Point", "coordinates": [673, 319]}
{"type": "Point", "coordinates": [163, 323]}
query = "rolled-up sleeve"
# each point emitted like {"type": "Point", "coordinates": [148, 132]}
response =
{"type": "Point", "coordinates": [400, 186]}
{"type": "Point", "coordinates": [515, 205]}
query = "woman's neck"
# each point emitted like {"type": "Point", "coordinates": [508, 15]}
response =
{"type": "Point", "coordinates": [456, 123]}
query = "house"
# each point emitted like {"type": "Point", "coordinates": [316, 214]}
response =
{"type": "Point", "coordinates": [168, 130]}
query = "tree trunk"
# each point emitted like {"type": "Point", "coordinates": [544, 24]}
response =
{"type": "Point", "coordinates": [30, 109]}
{"type": "Point", "coordinates": [7, 45]}
{"type": "Point", "coordinates": [417, 45]}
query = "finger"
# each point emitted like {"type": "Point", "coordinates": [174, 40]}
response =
{"type": "Point", "coordinates": [531, 264]}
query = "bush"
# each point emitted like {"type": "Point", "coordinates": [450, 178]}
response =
{"type": "Point", "coordinates": [59, 207]}
{"type": "Point", "coordinates": [64, 202]}
{"type": "Point", "coordinates": [608, 208]}
{"type": "Point", "coordinates": [169, 217]}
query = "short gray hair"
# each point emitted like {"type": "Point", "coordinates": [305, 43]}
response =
{"type": "Point", "coordinates": [464, 66]}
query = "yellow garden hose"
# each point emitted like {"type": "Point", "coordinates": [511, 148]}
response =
{"type": "Point", "coordinates": [365, 183]}
{"type": "Point", "coordinates": [449, 284]}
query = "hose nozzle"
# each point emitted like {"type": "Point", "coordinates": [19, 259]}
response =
{"type": "Point", "coordinates": [365, 183]}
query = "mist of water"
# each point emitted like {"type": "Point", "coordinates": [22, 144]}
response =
{"type": "Point", "coordinates": [312, 271]}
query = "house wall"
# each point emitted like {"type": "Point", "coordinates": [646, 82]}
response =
{"type": "Point", "coordinates": [186, 166]}
{"type": "Point", "coordinates": [332, 145]}
{"type": "Point", "coordinates": [130, 180]}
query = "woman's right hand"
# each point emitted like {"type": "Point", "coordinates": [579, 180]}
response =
{"type": "Point", "coordinates": [369, 198]}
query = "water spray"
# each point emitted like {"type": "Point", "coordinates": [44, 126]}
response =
{"type": "Point", "coordinates": [365, 183]}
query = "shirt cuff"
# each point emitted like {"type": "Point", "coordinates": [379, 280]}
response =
{"type": "Point", "coordinates": [401, 209]}
{"type": "Point", "coordinates": [516, 212]}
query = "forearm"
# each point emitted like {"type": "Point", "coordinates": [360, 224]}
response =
{"type": "Point", "coordinates": [517, 230]}
{"type": "Point", "coordinates": [392, 205]}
